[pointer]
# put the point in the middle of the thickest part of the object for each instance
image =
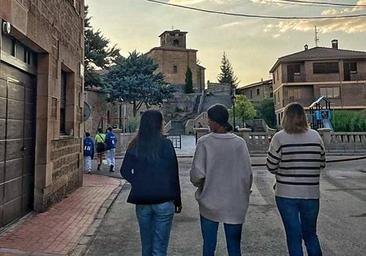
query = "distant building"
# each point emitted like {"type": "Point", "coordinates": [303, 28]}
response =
{"type": "Point", "coordinates": [173, 58]}
{"type": "Point", "coordinates": [339, 75]}
{"type": "Point", "coordinates": [41, 104]}
{"type": "Point", "coordinates": [257, 92]}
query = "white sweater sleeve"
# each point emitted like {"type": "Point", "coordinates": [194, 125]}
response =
{"type": "Point", "coordinates": [198, 170]}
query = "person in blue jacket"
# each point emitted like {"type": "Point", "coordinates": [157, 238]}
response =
{"type": "Point", "coordinates": [151, 167]}
{"type": "Point", "coordinates": [110, 143]}
{"type": "Point", "coordinates": [88, 152]}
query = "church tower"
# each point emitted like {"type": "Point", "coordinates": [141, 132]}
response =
{"type": "Point", "coordinates": [174, 58]}
{"type": "Point", "coordinates": [175, 38]}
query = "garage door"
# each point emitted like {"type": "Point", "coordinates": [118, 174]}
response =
{"type": "Point", "coordinates": [17, 143]}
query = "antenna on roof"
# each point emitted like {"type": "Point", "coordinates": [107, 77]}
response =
{"type": "Point", "coordinates": [316, 38]}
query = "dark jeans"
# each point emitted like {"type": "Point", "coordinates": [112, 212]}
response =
{"type": "Point", "coordinates": [209, 233]}
{"type": "Point", "coordinates": [299, 217]}
{"type": "Point", "coordinates": [155, 221]}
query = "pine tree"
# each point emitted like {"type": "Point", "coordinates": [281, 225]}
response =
{"type": "Point", "coordinates": [227, 75]}
{"type": "Point", "coordinates": [98, 54]}
{"type": "Point", "coordinates": [189, 82]}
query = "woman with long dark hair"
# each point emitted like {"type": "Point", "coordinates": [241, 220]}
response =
{"type": "Point", "coordinates": [296, 156]}
{"type": "Point", "coordinates": [151, 166]}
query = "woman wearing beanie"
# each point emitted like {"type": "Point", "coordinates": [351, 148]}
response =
{"type": "Point", "coordinates": [221, 171]}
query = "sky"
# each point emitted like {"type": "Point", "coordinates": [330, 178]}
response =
{"type": "Point", "coordinates": [252, 45]}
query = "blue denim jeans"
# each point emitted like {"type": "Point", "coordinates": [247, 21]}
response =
{"type": "Point", "coordinates": [155, 221]}
{"type": "Point", "coordinates": [299, 217]}
{"type": "Point", "coordinates": [209, 234]}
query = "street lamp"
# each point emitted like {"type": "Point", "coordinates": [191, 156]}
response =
{"type": "Point", "coordinates": [233, 97]}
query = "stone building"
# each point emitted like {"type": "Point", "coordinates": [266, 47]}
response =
{"type": "Point", "coordinates": [337, 74]}
{"type": "Point", "coordinates": [41, 103]}
{"type": "Point", "coordinates": [257, 92]}
{"type": "Point", "coordinates": [173, 58]}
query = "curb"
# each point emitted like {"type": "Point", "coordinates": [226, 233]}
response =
{"type": "Point", "coordinates": [89, 235]}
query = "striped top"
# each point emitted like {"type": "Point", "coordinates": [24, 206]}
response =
{"type": "Point", "coordinates": [296, 160]}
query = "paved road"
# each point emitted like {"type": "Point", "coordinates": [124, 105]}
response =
{"type": "Point", "coordinates": [342, 222]}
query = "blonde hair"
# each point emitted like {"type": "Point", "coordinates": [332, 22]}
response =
{"type": "Point", "coordinates": [294, 119]}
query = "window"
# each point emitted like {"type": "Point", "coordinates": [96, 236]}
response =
{"type": "Point", "coordinates": [295, 68]}
{"type": "Point", "coordinates": [271, 95]}
{"type": "Point", "coordinates": [326, 68]}
{"type": "Point", "coordinates": [251, 94]}
{"type": "Point", "coordinates": [67, 102]}
{"type": "Point", "coordinates": [63, 102]}
{"type": "Point", "coordinates": [292, 71]}
{"type": "Point", "coordinates": [330, 92]}
{"type": "Point", "coordinates": [294, 93]}
{"type": "Point", "coordinates": [175, 42]}
{"type": "Point", "coordinates": [258, 91]}
{"type": "Point", "coordinates": [175, 69]}
{"type": "Point", "coordinates": [350, 68]}
{"type": "Point", "coordinates": [277, 74]}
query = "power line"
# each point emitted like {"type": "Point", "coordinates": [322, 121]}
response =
{"type": "Point", "coordinates": [258, 16]}
{"type": "Point", "coordinates": [313, 3]}
{"type": "Point", "coordinates": [324, 3]}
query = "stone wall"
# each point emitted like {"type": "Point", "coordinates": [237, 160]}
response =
{"type": "Point", "coordinates": [105, 114]}
{"type": "Point", "coordinates": [181, 105]}
{"type": "Point", "coordinates": [54, 30]}
{"type": "Point", "coordinates": [67, 163]}
{"type": "Point", "coordinates": [334, 142]}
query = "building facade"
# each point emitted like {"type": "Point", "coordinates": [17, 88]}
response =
{"type": "Point", "coordinates": [41, 103]}
{"type": "Point", "coordinates": [339, 75]}
{"type": "Point", "coordinates": [257, 92]}
{"type": "Point", "coordinates": [173, 58]}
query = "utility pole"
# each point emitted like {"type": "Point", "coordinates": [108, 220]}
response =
{"type": "Point", "coordinates": [316, 38]}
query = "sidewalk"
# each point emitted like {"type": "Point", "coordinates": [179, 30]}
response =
{"type": "Point", "coordinates": [59, 230]}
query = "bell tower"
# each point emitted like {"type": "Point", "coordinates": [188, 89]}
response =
{"type": "Point", "coordinates": [173, 39]}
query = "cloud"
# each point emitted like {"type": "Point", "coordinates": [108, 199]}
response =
{"type": "Point", "coordinates": [337, 11]}
{"type": "Point", "coordinates": [356, 25]}
{"type": "Point", "coordinates": [190, 2]}
{"type": "Point", "coordinates": [230, 25]}
{"type": "Point", "coordinates": [347, 25]}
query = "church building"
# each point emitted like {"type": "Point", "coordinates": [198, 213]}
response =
{"type": "Point", "coordinates": [174, 58]}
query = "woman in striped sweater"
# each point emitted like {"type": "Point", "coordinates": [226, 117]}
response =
{"type": "Point", "coordinates": [296, 156]}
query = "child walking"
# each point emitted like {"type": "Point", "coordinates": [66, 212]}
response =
{"type": "Point", "coordinates": [88, 152]}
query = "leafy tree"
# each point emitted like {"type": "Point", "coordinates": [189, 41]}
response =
{"type": "Point", "coordinates": [227, 75]}
{"type": "Point", "coordinates": [266, 110]}
{"type": "Point", "coordinates": [98, 54]}
{"type": "Point", "coordinates": [244, 109]}
{"type": "Point", "coordinates": [189, 82]}
{"type": "Point", "coordinates": [135, 80]}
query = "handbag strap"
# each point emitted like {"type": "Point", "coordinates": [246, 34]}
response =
{"type": "Point", "coordinates": [100, 136]}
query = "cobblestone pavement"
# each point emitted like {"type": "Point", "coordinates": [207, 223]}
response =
{"type": "Point", "coordinates": [57, 231]}
{"type": "Point", "coordinates": [342, 228]}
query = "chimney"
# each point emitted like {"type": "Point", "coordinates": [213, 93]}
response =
{"type": "Point", "coordinates": [306, 47]}
{"type": "Point", "coordinates": [335, 44]}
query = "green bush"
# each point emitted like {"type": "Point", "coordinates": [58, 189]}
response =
{"type": "Point", "coordinates": [349, 121]}
{"type": "Point", "coordinates": [132, 124]}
